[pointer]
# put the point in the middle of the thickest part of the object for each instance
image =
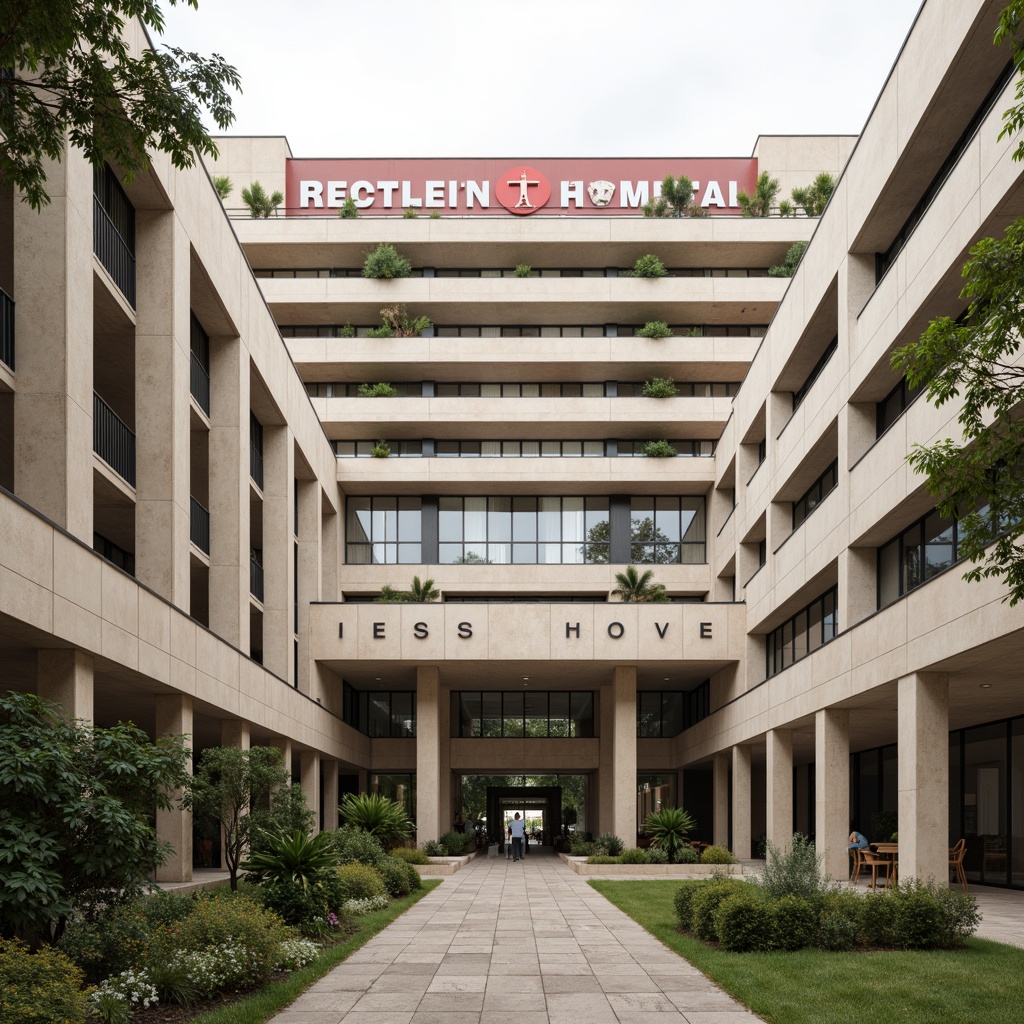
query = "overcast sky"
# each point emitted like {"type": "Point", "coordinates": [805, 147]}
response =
{"type": "Point", "coordinates": [526, 78]}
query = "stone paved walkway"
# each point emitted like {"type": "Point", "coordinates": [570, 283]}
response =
{"type": "Point", "coordinates": [504, 943]}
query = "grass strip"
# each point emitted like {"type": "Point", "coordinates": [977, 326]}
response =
{"type": "Point", "coordinates": [982, 982]}
{"type": "Point", "coordinates": [267, 1001]}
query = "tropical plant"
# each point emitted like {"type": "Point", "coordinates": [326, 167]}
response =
{"type": "Point", "coordinates": [383, 818]}
{"type": "Point", "coordinates": [610, 843]}
{"type": "Point", "coordinates": [654, 329]}
{"type": "Point", "coordinates": [410, 214]}
{"type": "Point", "coordinates": [659, 387]}
{"type": "Point", "coordinates": [814, 197]}
{"type": "Point", "coordinates": [420, 593]}
{"type": "Point", "coordinates": [385, 263]}
{"type": "Point", "coordinates": [381, 390]}
{"type": "Point", "coordinates": [668, 829]}
{"type": "Point", "coordinates": [293, 857]}
{"type": "Point", "coordinates": [661, 449]}
{"type": "Point", "coordinates": [786, 208]}
{"type": "Point", "coordinates": [522, 270]}
{"type": "Point", "coordinates": [260, 202]}
{"type": "Point", "coordinates": [676, 200]}
{"type": "Point", "coordinates": [70, 77]}
{"type": "Point", "coordinates": [391, 595]}
{"type": "Point", "coordinates": [648, 266]}
{"type": "Point", "coordinates": [637, 587]}
{"type": "Point", "coordinates": [348, 209]}
{"type": "Point", "coordinates": [787, 268]}
{"type": "Point", "coordinates": [761, 202]}
{"type": "Point", "coordinates": [380, 449]}
{"type": "Point", "coordinates": [222, 183]}
{"type": "Point", "coordinates": [76, 816]}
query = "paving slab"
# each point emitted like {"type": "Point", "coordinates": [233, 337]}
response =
{"type": "Point", "coordinates": [502, 941]}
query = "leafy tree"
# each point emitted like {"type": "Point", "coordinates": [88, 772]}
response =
{"type": "Point", "coordinates": [69, 76]}
{"type": "Point", "coordinates": [979, 477]}
{"type": "Point", "coordinates": [814, 197]}
{"type": "Point", "coordinates": [76, 816]}
{"type": "Point", "coordinates": [229, 782]}
{"type": "Point", "coordinates": [788, 266]}
{"type": "Point", "coordinates": [761, 202]}
{"type": "Point", "coordinates": [385, 263]}
{"type": "Point", "coordinates": [260, 203]}
{"type": "Point", "coordinates": [676, 200]}
{"type": "Point", "coordinates": [222, 183]}
{"type": "Point", "coordinates": [1011, 30]}
{"type": "Point", "coordinates": [636, 587]}
{"type": "Point", "coordinates": [647, 544]}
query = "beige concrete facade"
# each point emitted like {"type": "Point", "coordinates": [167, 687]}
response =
{"type": "Point", "coordinates": [216, 582]}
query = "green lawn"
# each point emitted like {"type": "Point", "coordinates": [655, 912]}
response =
{"type": "Point", "coordinates": [264, 1003]}
{"type": "Point", "coordinates": [981, 984]}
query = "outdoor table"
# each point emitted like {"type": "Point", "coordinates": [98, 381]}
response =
{"type": "Point", "coordinates": [891, 851]}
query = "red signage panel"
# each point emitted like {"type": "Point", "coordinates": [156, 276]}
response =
{"type": "Point", "coordinates": [499, 187]}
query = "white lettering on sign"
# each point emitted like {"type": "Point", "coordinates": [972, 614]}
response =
{"type": "Point", "coordinates": [480, 191]}
{"type": "Point", "coordinates": [434, 194]}
{"type": "Point", "coordinates": [362, 193]}
{"type": "Point", "coordinates": [336, 193]}
{"type": "Point", "coordinates": [388, 188]}
{"type": "Point", "coordinates": [572, 190]}
{"type": "Point", "coordinates": [408, 199]}
{"type": "Point", "coordinates": [713, 195]}
{"type": "Point", "coordinates": [453, 194]}
{"type": "Point", "coordinates": [733, 189]}
{"type": "Point", "coordinates": [633, 197]}
{"type": "Point", "coordinates": [311, 192]}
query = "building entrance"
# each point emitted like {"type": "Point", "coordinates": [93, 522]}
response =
{"type": "Point", "coordinates": [539, 806]}
{"type": "Point", "coordinates": [551, 805]}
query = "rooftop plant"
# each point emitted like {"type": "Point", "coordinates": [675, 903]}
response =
{"type": "Point", "coordinates": [648, 266]}
{"type": "Point", "coordinates": [381, 390]}
{"type": "Point", "coordinates": [654, 329]}
{"type": "Point", "coordinates": [660, 450]}
{"type": "Point", "coordinates": [635, 587]}
{"type": "Point", "coordinates": [222, 183]}
{"type": "Point", "coordinates": [348, 209]}
{"type": "Point", "coordinates": [396, 323]}
{"type": "Point", "coordinates": [385, 263]}
{"type": "Point", "coordinates": [380, 450]}
{"type": "Point", "coordinates": [522, 270]}
{"type": "Point", "coordinates": [788, 266]}
{"type": "Point", "coordinates": [763, 199]}
{"type": "Point", "coordinates": [260, 203]}
{"type": "Point", "coordinates": [659, 387]}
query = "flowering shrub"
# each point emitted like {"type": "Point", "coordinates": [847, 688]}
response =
{"type": "Point", "coordinates": [366, 905]}
{"type": "Point", "coordinates": [295, 953]}
{"type": "Point", "coordinates": [229, 965]}
{"type": "Point", "coordinates": [132, 987]}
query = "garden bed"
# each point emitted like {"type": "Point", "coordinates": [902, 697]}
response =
{"type": "Point", "coordinates": [441, 866]}
{"type": "Point", "coordinates": [581, 867]}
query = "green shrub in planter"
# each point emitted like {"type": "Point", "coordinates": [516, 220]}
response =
{"type": "Point", "coordinates": [610, 844]}
{"type": "Point", "coordinates": [683, 901]}
{"type": "Point", "coordinates": [385, 263]}
{"type": "Point", "coordinates": [656, 855]}
{"type": "Point", "coordinates": [360, 882]}
{"type": "Point", "coordinates": [634, 856]}
{"type": "Point", "coordinates": [878, 920]}
{"type": "Point", "coordinates": [412, 876]}
{"type": "Point", "coordinates": [660, 450]}
{"type": "Point", "coordinates": [648, 266]}
{"type": "Point", "coordinates": [39, 988]}
{"type": "Point", "coordinates": [659, 387]}
{"type": "Point", "coordinates": [839, 917]}
{"type": "Point", "coordinates": [960, 915]}
{"type": "Point", "coordinates": [396, 881]}
{"type": "Point", "coordinates": [453, 843]}
{"type": "Point", "coordinates": [794, 922]}
{"type": "Point", "coordinates": [354, 846]}
{"type": "Point", "coordinates": [717, 855]}
{"type": "Point", "coordinates": [654, 329]}
{"type": "Point", "coordinates": [744, 921]}
{"type": "Point", "coordinates": [410, 855]}
{"type": "Point", "coordinates": [603, 858]}
{"type": "Point", "coordinates": [433, 848]}
{"type": "Point", "coordinates": [582, 848]}
{"type": "Point", "coordinates": [409, 214]}
{"type": "Point", "coordinates": [706, 902]}
{"type": "Point", "coordinates": [919, 920]}
{"type": "Point", "coordinates": [522, 270]}
{"type": "Point", "coordinates": [381, 390]}
{"type": "Point", "coordinates": [686, 854]}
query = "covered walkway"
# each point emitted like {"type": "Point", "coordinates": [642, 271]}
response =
{"type": "Point", "coordinates": [514, 943]}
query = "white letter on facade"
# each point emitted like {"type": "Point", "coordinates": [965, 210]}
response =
{"type": "Point", "coordinates": [435, 193]}
{"type": "Point", "coordinates": [633, 197]}
{"type": "Point", "coordinates": [388, 188]}
{"type": "Point", "coordinates": [336, 193]}
{"type": "Point", "coordinates": [713, 196]}
{"type": "Point", "coordinates": [362, 186]}
{"type": "Point", "coordinates": [733, 189]}
{"type": "Point", "coordinates": [311, 191]}
{"type": "Point", "coordinates": [572, 190]}
{"type": "Point", "coordinates": [407, 198]}
{"type": "Point", "coordinates": [480, 191]}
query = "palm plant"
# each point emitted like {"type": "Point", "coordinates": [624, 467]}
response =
{"type": "Point", "coordinates": [814, 197]}
{"type": "Point", "coordinates": [222, 183]}
{"type": "Point", "coordinates": [260, 202]}
{"type": "Point", "coordinates": [669, 829]}
{"type": "Point", "coordinates": [636, 587]}
{"type": "Point", "coordinates": [420, 593]}
{"type": "Point", "coordinates": [294, 857]}
{"type": "Point", "coordinates": [761, 202]}
{"type": "Point", "coordinates": [377, 815]}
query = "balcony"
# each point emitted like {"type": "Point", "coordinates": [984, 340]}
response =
{"type": "Point", "coordinates": [256, 574]}
{"type": "Point", "coordinates": [112, 440]}
{"type": "Point", "coordinates": [6, 329]}
{"type": "Point", "coordinates": [199, 384]}
{"type": "Point", "coordinates": [113, 251]}
{"type": "Point", "coordinates": [199, 526]}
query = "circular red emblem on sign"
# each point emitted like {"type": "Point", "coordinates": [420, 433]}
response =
{"type": "Point", "coordinates": [522, 189]}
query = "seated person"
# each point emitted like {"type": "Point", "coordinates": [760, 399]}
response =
{"type": "Point", "coordinates": [857, 841]}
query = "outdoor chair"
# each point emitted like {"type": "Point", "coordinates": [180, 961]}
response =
{"type": "Point", "coordinates": [871, 860]}
{"type": "Point", "coordinates": [956, 862]}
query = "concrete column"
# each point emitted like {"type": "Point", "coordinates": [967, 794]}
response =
{"type": "Point", "coordinates": [284, 744]}
{"type": "Point", "coordinates": [624, 753]}
{"type": "Point", "coordinates": [66, 677]}
{"type": "Point", "coordinates": [162, 412]}
{"type": "Point", "coordinates": [229, 491]}
{"type": "Point", "coordinates": [364, 776]}
{"type": "Point", "coordinates": [606, 764]}
{"type": "Point", "coordinates": [429, 823]}
{"type": "Point", "coordinates": [329, 543]}
{"type": "Point", "coordinates": [234, 732]}
{"type": "Point", "coordinates": [174, 718]}
{"type": "Point", "coordinates": [720, 784]}
{"type": "Point", "coordinates": [278, 551]}
{"type": "Point", "coordinates": [330, 794]}
{"type": "Point", "coordinates": [832, 789]}
{"type": "Point", "coordinates": [309, 776]}
{"type": "Point", "coordinates": [923, 770]}
{"type": "Point", "coordinates": [741, 802]}
{"type": "Point", "coordinates": [308, 573]}
{"type": "Point", "coordinates": [779, 788]}
{"type": "Point", "coordinates": [53, 287]}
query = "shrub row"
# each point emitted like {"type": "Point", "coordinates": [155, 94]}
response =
{"type": "Point", "coordinates": [744, 918]}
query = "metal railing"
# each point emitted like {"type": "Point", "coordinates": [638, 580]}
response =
{"type": "Point", "coordinates": [256, 574]}
{"type": "Point", "coordinates": [199, 525]}
{"type": "Point", "coordinates": [6, 329]}
{"type": "Point", "coordinates": [113, 252]}
{"type": "Point", "coordinates": [199, 384]}
{"type": "Point", "coordinates": [113, 440]}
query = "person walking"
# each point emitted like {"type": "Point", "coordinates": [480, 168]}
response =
{"type": "Point", "coordinates": [516, 833]}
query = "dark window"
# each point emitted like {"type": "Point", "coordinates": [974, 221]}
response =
{"type": "Point", "coordinates": [256, 450]}
{"type": "Point", "coordinates": [815, 494]}
{"type": "Point", "coordinates": [199, 380]}
{"type": "Point", "coordinates": [921, 551]}
{"type": "Point", "coordinates": [667, 530]}
{"type": "Point", "coordinates": [380, 713]}
{"type": "Point", "coordinates": [891, 408]}
{"type": "Point", "coordinates": [113, 230]}
{"type": "Point", "coordinates": [384, 530]}
{"type": "Point", "coordinates": [515, 714]}
{"type": "Point", "coordinates": [812, 626]}
{"type": "Point", "coordinates": [801, 393]}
